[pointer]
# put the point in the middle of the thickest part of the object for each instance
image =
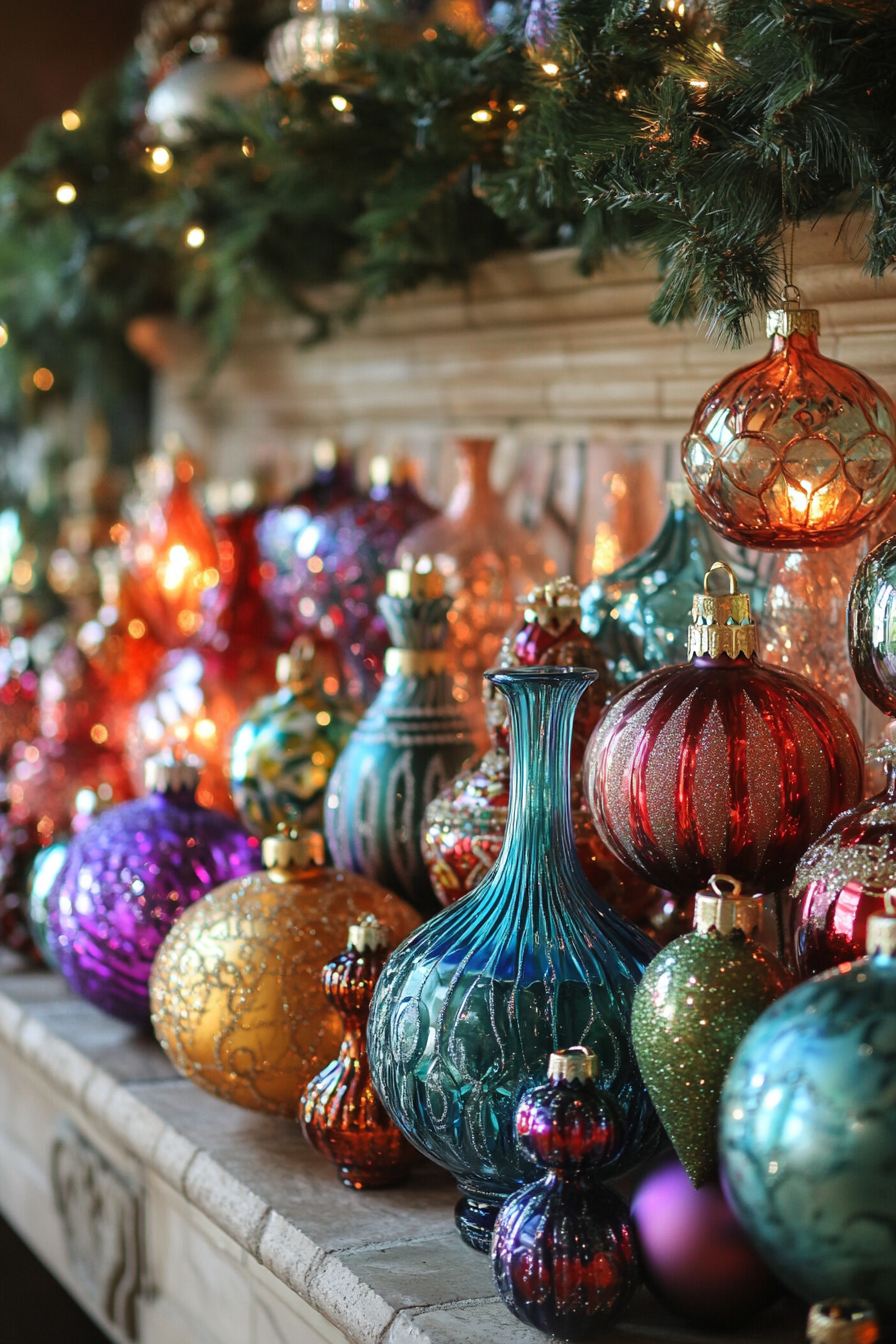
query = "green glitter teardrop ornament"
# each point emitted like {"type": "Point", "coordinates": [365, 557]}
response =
{"type": "Point", "coordinates": [696, 1002]}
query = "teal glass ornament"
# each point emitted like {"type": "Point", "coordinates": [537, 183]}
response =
{"type": "Point", "coordinates": [411, 741]}
{"type": "Point", "coordinates": [808, 1131]}
{"type": "Point", "coordinates": [44, 870]}
{"type": "Point", "coordinates": [530, 962]}
{"type": "Point", "coordinates": [639, 614]}
{"type": "Point", "coordinates": [285, 748]}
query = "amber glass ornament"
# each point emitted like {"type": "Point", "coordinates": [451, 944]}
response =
{"type": "Point", "coordinates": [487, 561]}
{"type": "Point", "coordinates": [795, 450]}
{"type": "Point", "coordinates": [341, 1114]}
{"type": "Point", "coordinates": [236, 995]}
{"type": "Point", "coordinates": [695, 1003]}
{"type": "Point", "coordinates": [720, 764]}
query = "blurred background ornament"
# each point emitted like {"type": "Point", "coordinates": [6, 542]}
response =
{"type": "Point", "coordinates": [341, 1115]}
{"type": "Point", "coordinates": [45, 869]}
{"type": "Point", "coordinates": [19, 713]}
{"type": "Point", "coordinates": [342, 558]}
{"type": "Point", "coordinates": [412, 739]}
{"type": "Point", "coordinates": [237, 1001]}
{"type": "Point", "coordinates": [488, 563]}
{"type": "Point", "coordinates": [720, 764]}
{"type": "Point", "coordinates": [871, 615]}
{"type": "Point", "coordinates": [808, 1131]}
{"type": "Point", "coordinates": [127, 878]}
{"type": "Point", "coordinates": [795, 450]}
{"type": "Point", "coordinates": [467, 1009]}
{"type": "Point", "coordinates": [694, 1005]}
{"type": "Point", "coordinates": [563, 1252]}
{"type": "Point", "coordinates": [694, 1255]}
{"type": "Point", "coordinates": [285, 748]}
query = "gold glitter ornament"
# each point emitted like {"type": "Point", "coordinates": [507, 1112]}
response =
{"type": "Point", "coordinates": [236, 996]}
{"type": "Point", "coordinates": [697, 1000]}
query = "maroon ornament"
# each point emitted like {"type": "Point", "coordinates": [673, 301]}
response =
{"type": "Point", "coordinates": [694, 1254]}
{"type": "Point", "coordinates": [720, 764]}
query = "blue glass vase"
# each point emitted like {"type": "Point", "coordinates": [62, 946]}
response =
{"type": "Point", "coordinates": [471, 1005]}
{"type": "Point", "coordinates": [808, 1131]}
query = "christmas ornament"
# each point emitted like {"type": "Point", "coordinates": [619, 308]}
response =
{"type": "Point", "coordinates": [19, 716]}
{"type": "Point", "coordinates": [285, 748]}
{"type": "Point", "coordinates": [191, 91]}
{"type": "Point", "coordinates": [808, 1131]}
{"type": "Point", "coordinates": [469, 1006]}
{"type": "Point", "coordinates": [637, 615]}
{"type": "Point", "coordinates": [487, 562]}
{"type": "Point", "coordinates": [463, 827]}
{"type": "Point", "coordinates": [562, 1249]}
{"type": "Point", "coordinates": [694, 1255]}
{"type": "Point", "coordinates": [237, 1002]}
{"type": "Point", "coordinates": [45, 870]}
{"type": "Point", "coordinates": [845, 877]}
{"type": "Point", "coordinates": [412, 738]}
{"type": "Point", "coordinates": [871, 617]}
{"type": "Point", "coordinates": [341, 1114]}
{"type": "Point", "coordinates": [694, 1005]}
{"type": "Point", "coordinates": [279, 529]}
{"type": "Point", "coordinates": [541, 29]}
{"type": "Point", "coordinates": [325, 31]}
{"type": "Point", "coordinates": [795, 450]}
{"type": "Point", "coordinates": [342, 559]}
{"type": "Point", "coordinates": [720, 764]}
{"type": "Point", "coordinates": [129, 876]}
{"type": "Point", "coordinates": [842, 1320]}
{"type": "Point", "coordinates": [18, 847]}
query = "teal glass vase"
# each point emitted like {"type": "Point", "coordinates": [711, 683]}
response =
{"type": "Point", "coordinates": [470, 1006]}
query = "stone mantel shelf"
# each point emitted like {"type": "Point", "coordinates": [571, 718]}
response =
{"type": "Point", "coordinates": [247, 1236]}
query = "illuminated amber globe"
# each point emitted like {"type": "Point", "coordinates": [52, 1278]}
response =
{"type": "Point", "coordinates": [236, 995]}
{"type": "Point", "coordinates": [793, 451]}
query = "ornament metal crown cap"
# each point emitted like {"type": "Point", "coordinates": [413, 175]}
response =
{"type": "Point", "coordinates": [881, 931]}
{"type": "Point", "coordinates": [577, 1064]}
{"type": "Point", "coordinates": [721, 623]}
{"type": "Point", "coordinates": [556, 603]}
{"type": "Point", "coordinates": [291, 851]}
{"type": "Point", "coordinates": [791, 319]}
{"type": "Point", "coordinates": [368, 934]}
{"type": "Point", "coordinates": [170, 773]}
{"type": "Point", "coordinates": [726, 911]}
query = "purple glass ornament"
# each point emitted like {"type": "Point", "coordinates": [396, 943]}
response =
{"type": "Point", "coordinates": [126, 879]}
{"type": "Point", "coordinates": [562, 1250]}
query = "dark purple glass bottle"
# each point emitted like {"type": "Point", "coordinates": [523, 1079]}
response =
{"type": "Point", "coordinates": [562, 1250]}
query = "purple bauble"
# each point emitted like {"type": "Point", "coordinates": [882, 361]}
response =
{"type": "Point", "coordinates": [128, 877]}
{"type": "Point", "coordinates": [694, 1254]}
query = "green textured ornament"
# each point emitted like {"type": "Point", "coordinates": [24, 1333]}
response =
{"type": "Point", "coordinates": [697, 1000]}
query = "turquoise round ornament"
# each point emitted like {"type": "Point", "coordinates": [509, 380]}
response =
{"type": "Point", "coordinates": [286, 747]}
{"type": "Point", "coordinates": [808, 1131]}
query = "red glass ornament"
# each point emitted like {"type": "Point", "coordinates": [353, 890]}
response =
{"type": "Point", "coordinates": [795, 450]}
{"type": "Point", "coordinates": [341, 1114]}
{"type": "Point", "coordinates": [720, 764]}
{"type": "Point", "coordinates": [19, 715]}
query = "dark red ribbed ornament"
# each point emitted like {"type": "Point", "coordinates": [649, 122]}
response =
{"type": "Point", "coordinates": [720, 764]}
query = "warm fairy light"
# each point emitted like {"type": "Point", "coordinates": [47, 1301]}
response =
{"type": "Point", "coordinates": [620, 95]}
{"type": "Point", "coordinates": [482, 115]}
{"type": "Point", "coordinates": [160, 159]}
{"type": "Point", "coordinates": [43, 379]}
{"type": "Point", "coordinates": [173, 571]}
{"type": "Point", "coordinates": [315, 564]}
{"type": "Point", "coordinates": [248, 147]}
{"type": "Point", "coordinates": [429, 34]}
{"type": "Point", "coordinates": [716, 46]}
{"type": "Point", "coordinates": [519, 108]}
{"type": "Point", "coordinates": [194, 236]}
{"type": "Point", "coordinates": [606, 554]}
{"type": "Point", "coordinates": [341, 104]}
{"type": "Point", "coordinates": [70, 119]}
{"type": "Point", "coordinates": [323, 718]}
{"type": "Point", "coordinates": [99, 734]}
{"type": "Point", "coordinates": [65, 193]}
{"type": "Point", "coordinates": [551, 68]}
{"type": "Point", "coordinates": [188, 622]}
{"type": "Point", "coordinates": [136, 628]}
{"type": "Point", "coordinates": [331, 685]}
{"type": "Point", "coordinates": [4, 334]}
{"type": "Point", "coordinates": [205, 730]}
{"type": "Point", "coordinates": [699, 83]}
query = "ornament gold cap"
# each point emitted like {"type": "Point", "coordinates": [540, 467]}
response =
{"type": "Point", "coordinates": [843, 1320]}
{"type": "Point", "coordinates": [721, 622]}
{"type": "Point", "coordinates": [293, 667]}
{"type": "Point", "coordinates": [167, 773]}
{"type": "Point", "coordinates": [880, 934]}
{"type": "Point", "coordinates": [291, 851]}
{"type": "Point", "coordinates": [554, 603]}
{"type": "Point", "coordinates": [790, 319]}
{"type": "Point", "coordinates": [726, 911]}
{"type": "Point", "coordinates": [418, 579]}
{"type": "Point", "coordinates": [577, 1064]}
{"type": "Point", "coordinates": [368, 934]}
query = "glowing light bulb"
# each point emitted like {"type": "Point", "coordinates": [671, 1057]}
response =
{"type": "Point", "coordinates": [65, 193]}
{"type": "Point", "coordinates": [482, 115]}
{"type": "Point", "coordinates": [160, 159]}
{"type": "Point", "coordinates": [4, 334]}
{"type": "Point", "coordinates": [551, 68]}
{"type": "Point", "coordinates": [173, 572]}
{"type": "Point", "coordinates": [341, 104]}
{"type": "Point", "coordinates": [43, 379]}
{"type": "Point", "coordinates": [70, 119]}
{"type": "Point", "coordinates": [194, 236]}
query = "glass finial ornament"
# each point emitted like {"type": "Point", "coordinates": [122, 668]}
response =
{"type": "Point", "coordinates": [412, 739]}
{"type": "Point", "coordinates": [486, 560]}
{"type": "Point", "coordinates": [638, 615]}
{"type": "Point", "coordinates": [795, 450]}
{"type": "Point", "coordinates": [871, 621]}
{"type": "Point", "coordinates": [44, 871]}
{"type": "Point", "coordinates": [695, 1004]}
{"type": "Point", "coordinates": [720, 764]}
{"type": "Point", "coordinates": [285, 748]}
{"type": "Point", "coordinates": [341, 1115]}
{"type": "Point", "coordinates": [237, 1000]}
{"type": "Point", "coordinates": [808, 1130]}
{"type": "Point", "coordinates": [128, 877]}
{"type": "Point", "coordinates": [467, 1009]}
{"type": "Point", "coordinates": [562, 1251]}
{"type": "Point", "coordinates": [463, 827]}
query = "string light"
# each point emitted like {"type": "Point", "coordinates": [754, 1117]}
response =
{"type": "Point", "coordinates": [482, 115]}
{"type": "Point", "coordinates": [429, 34]}
{"type": "Point", "coordinates": [43, 380]}
{"type": "Point", "coordinates": [4, 334]}
{"type": "Point", "coordinates": [160, 159]}
{"type": "Point", "coordinates": [194, 236]}
{"type": "Point", "coordinates": [70, 119]}
{"type": "Point", "coordinates": [341, 104]}
{"type": "Point", "coordinates": [550, 68]}
{"type": "Point", "coordinates": [248, 147]}
{"type": "Point", "coordinates": [65, 193]}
